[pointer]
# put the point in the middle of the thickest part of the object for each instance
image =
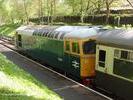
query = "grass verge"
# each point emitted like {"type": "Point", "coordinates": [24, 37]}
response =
{"type": "Point", "coordinates": [8, 29]}
{"type": "Point", "coordinates": [16, 84]}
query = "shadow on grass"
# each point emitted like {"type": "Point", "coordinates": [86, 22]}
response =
{"type": "Point", "coordinates": [6, 94]}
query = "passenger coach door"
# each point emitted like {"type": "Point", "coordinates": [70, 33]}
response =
{"type": "Point", "coordinates": [101, 59]}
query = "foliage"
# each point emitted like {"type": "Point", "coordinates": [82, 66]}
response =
{"type": "Point", "coordinates": [8, 29]}
{"type": "Point", "coordinates": [16, 84]}
{"type": "Point", "coordinates": [21, 10]}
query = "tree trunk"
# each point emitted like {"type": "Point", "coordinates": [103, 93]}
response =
{"type": "Point", "coordinates": [54, 10]}
{"type": "Point", "coordinates": [26, 14]}
{"type": "Point", "coordinates": [107, 11]}
{"type": "Point", "coordinates": [73, 7]}
{"type": "Point", "coordinates": [99, 7]}
{"type": "Point", "coordinates": [130, 3]}
{"type": "Point", "coordinates": [17, 10]}
{"type": "Point", "coordinates": [51, 12]}
{"type": "Point", "coordinates": [82, 16]}
{"type": "Point", "coordinates": [40, 11]}
{"type": "Point", "coordinates": [48, 12]}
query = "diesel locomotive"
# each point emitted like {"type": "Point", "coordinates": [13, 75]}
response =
{"type": "Point", "coordinates": [68, 48]}
{"type": "Point", "coordinates": [85, 52]}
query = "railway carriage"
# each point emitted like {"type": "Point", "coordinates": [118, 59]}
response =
{"type": "Point", "coordinates": [68, 48]}
{"type": "Point", "coordinates": [114, 62]}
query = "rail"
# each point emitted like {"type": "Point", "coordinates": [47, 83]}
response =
{"type": "Point", "coordinates": [8, 39]}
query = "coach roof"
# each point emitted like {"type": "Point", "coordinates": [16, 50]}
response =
{"type": "Point", "coordinates": [119, 37]}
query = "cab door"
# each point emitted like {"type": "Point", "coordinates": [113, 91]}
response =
{"type": "Point", "coordinates": [18, 40]}
{"type": "Point", "coordinates": [72, 57]}
{"type": "Point", "coordinates": [67, 53]}
{"type": "Point", "coordinates": [75, 58]}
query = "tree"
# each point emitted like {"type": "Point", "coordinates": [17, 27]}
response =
{"type": "Point", "coordinates": [40, 10]}
{"type": "Point", "coordinates": [82, 16]}
{"type": "Point", "coordinates": [130, 3]}
{"type": "Point", "coordinates": [98, 4]}
{"type": "Point", "coordinates": [51, 10]}
{"type": "Point", "coordinates": [76, 6]}
{"type": "Point", "coordinates": [22, 10]}
{"type": "Point", "coordinates": [26, 13]}
{"type": "Point", "coordinates": [108, 4]}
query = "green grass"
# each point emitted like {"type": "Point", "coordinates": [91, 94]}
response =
{"type": "Point", "coordinates": [16, 84]}
{"type": "Point", "coordinates": [8, 29]}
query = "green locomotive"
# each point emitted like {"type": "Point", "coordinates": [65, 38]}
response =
{"type": "Point", "coordinates": [68, 48]}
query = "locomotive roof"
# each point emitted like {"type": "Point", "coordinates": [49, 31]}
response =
{"type": "Point", "coordinates": [117, 37]}
{"type": "Point", "coordinates": [59, 32]}
{"type": "Point", "coordinates": [35, 30]}
{"type": "Point", "coordinates": [84, 33]}
{"type": "Point", "coordinates": [27, 30]}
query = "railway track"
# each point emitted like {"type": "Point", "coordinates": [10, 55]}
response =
{"type": "Point", "coordinates": [9, 45]}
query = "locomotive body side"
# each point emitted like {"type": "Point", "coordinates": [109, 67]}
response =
{"type": "Point", "coordinates": [51, 51]}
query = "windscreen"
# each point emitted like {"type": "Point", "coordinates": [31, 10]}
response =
{"type": "Point", "coordinates": [89, 47]}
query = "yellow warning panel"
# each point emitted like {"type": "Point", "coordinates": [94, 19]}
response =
{"type": "Point", "coordinates": [87, 65]}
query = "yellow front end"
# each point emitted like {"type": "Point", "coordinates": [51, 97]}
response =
{"type": "Point", "coordinates": [87, 58]}
{"type": "Point", "coordinates": [87, 66]}
{"type": "Point", "coordinates": [85, 48]}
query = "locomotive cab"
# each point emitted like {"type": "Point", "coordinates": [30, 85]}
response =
{"type": "Point", "coordinates": [88, 58]}
{"type": "Point", "coordinates": [18, 40]}
{"type": "Point", "coordinates": [82, 57]}
{"type": "Point", "coordinates": [81, 53]}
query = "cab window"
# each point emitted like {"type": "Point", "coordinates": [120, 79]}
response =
{"type": "Point", "coordinates": [75, 47]}
{"type": "Point", "coordinates": [67, 45]}
{"type": "Point", "coordinates": [19, 41]}
{"type": "Point", "coordinates": [89, 47]}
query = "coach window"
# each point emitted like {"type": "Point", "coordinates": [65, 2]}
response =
{"type": "Point", "coordinates": [75, 47]}
{"type": "Point", "coordinates": [67, 46]}
{"type": "Point", "coordinates": [117, 53]}
{"type": "Point", "coordinates": [123, 66]}
{"type": "Point", "coordinates": [102, 57]}
{"type": "Point", "coordinates": [124, 54]}
{"type": "Point", "coordinates": [130, 56]}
